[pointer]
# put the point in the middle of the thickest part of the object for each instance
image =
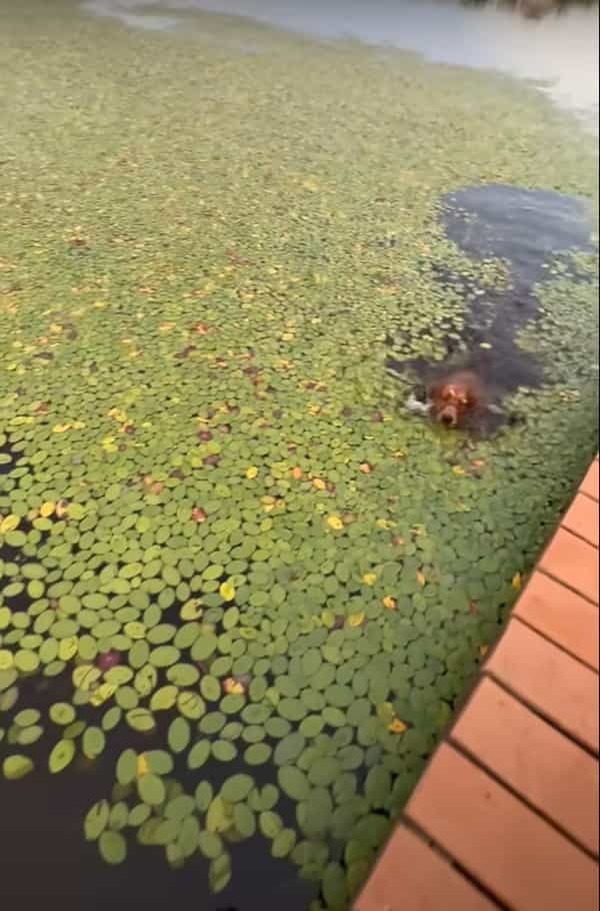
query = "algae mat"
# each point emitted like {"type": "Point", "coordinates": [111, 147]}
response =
{"type": "Point", "coordinates": [242, 589]}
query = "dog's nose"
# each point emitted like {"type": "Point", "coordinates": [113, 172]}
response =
{"type": "Point", "coordinates": [447, 419]}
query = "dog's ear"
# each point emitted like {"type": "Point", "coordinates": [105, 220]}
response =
{"type": "Point", "coordinates": [436, 390]}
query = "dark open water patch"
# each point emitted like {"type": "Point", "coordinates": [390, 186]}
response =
{"type": "Point", "coordinates": [45, 827]}
{"type": "Point", "coordinates": [531, 231]}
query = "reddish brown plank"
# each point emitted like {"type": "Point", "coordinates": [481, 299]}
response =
{"type": "Point", "coordinates": [500, 841]}
{"type": "Point", "coordinates": [582, 519]}
{"type": "Point", "coordinates": [557, 685]}
{"type": "Point", "coordinates": [574, 562]}
{"type": "Point", "coordinates": [551, 772]}
{"type": "Point", "coordinates": [589, 485]}
{"type": "Point", "coordinates": [561, 615]}
{"type": "Point", "coordinates": [411, 876]}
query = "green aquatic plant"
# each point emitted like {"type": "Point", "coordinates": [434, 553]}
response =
{"type": "Point", "coordinates": [223, 541]}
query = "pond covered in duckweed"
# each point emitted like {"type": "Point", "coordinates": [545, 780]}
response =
{"type": "Point", "coordinates": [242, 589]}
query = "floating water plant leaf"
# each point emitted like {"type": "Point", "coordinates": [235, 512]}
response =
{"type": "Point", "coordinates": [113, 847]}
{"type": "Point", "coordinates": [158, 761]}
{"type": "Point", "coordinates": [210, 844]}
{"type": "Point", "coordinates": [237, 788]}
{"type": "Point", "coordinates": [270, 824]}
{"type": "Point", "coordinates": [96, 820]}
{"type": "Point", "coordinates": [93, 742]}
{"type": "Point", "coordinates": [140, 719]}
{"type": "Point", "coordinates": [244, 820]}
{"type": "Point", "coordinates": [224, 751]}
{"type": "Point", "coordinates": [219, 815]}
{"type": "Point", "coordinates": [227, 590]}
{"type": "Point", "coordinates": [151, 789]}
{"type": "Point", "coordinates": [61, 755]}
{"type": "Point", "coordinates": [219, 873]}
{"type": "Point", "coordinates": [178, 735]}
{"type": "Point", "coordinates": [16, 766]}
{"type": "Point", "coordinates": [283, 843]}
{"type": "Point", "coordinates": [258, 754]}
{"type": "Point", "coordinates": [198, 755]}
{"type": "Point", "coordinates": [126, 769]}
{"type": "Point", "coordinates": [293, 782]}
{"type": "Point", "coordinates": [180, 807]}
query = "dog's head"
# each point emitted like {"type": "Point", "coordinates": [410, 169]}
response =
{"type": "Point", "coordinates": [453, 398]}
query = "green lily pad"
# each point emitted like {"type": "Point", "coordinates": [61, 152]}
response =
{"type": "Point", "coordinates": [151, 789]}
{"type": "Point", "coordinates": [61, 755]}
{"type": "Point", "coordinates": [219, 873]}
{"type": "Point", "coordinates": [113, 847]}
{"type": "Point", "coordinates": [270, 824]}
{"type": "Point", "coordinates": [283, 843]}
{"type": "Point", "coordinates": [96, 820]}
{"type": "Point", "coordinates": [178, 735]}
{"type": "Point", "coordinates": [126, 767]}
{"type": "Point", "coordinates": [159, 761]}
{"type": "Point", "coordinates": [210, 844]}
{"type": "Point", "coordinates": [198, 754]}
{"type": "Point", "coordinates": [244, 820]}
{"type": "Point", "coordinates": [93, 742]}
{"type": "Point", "coordinates": [224, 751]}
{"type": "Point", "coordinates": [237, 788]}
{"type": "Point", "coordinates": [16, 766]}
{"type": "Point", "coordinates": [293, 782]}
{"type": "Point", "coordinates": [258, 754]}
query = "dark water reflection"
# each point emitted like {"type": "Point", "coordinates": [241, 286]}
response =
{"type": "Point", "coordinates": [559, 52]}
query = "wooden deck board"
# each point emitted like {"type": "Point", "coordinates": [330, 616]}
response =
{"type": "Point", "coordinates": [512, 796]}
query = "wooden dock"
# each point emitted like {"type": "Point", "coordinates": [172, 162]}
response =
{"type": "Point", "coordinates": [506, 813]}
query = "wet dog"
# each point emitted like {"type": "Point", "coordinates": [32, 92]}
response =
{"type": "Point", "coordinates": [457, 400]}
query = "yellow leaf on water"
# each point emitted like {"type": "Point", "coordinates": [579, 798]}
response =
{"type": "Point", "coordinates": [227, 590]}
{"type": "Point", "coordinates": [458, 470]}
{"type": "Point", "coordinates": [68, 648]}
{"type": "Point", "coordinates": [233, 687]}
{"type": "Point", "coordinates": [421, 578]}
{"type": "Point", "coordinates": [385, 523]}
{"type": "Point", "coordinates": [335, 522]}
{"type": "Point", "coordinates": [311, 184]}
{"type": "Point", "coordinates": [369, 578]}
{"type": "Point", "coordinates": [143, 766]}
{"type": "Point", "coordinates": [55, 329]}
{"type": "Point", "coordinates": [517, 581]}
{"type": "Point", "coordinates": [319, 483]}
{"type": "Point", "coordinates": [397, 726]}
{"type": "Point", "coordinates": [118, 414]}
{"type": "Point", "coordinates": [102, 694]}
{"type": "Point", "coordinates": [61, 428]}
{"type": "Point", "coordinates": [9, 523]}
{"type": "Point", "coordinates": [390, 602]}
{"type": "Point", "coordinates": [47, 508]}
{"type": "Point", "coordinates": [251, 472]}
{"type": "Point", "coordinates": [191, 610]}
{"type": "Point", "coordinates": [356, 619]}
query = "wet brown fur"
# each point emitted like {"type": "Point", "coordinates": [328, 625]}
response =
{"type": "Point", "coordinates": [456, 398]}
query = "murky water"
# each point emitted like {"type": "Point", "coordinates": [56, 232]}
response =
{"type": "Point", "coordinates": [527, 229]}
{"type": "Point", "coordinates": [559, 52]}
